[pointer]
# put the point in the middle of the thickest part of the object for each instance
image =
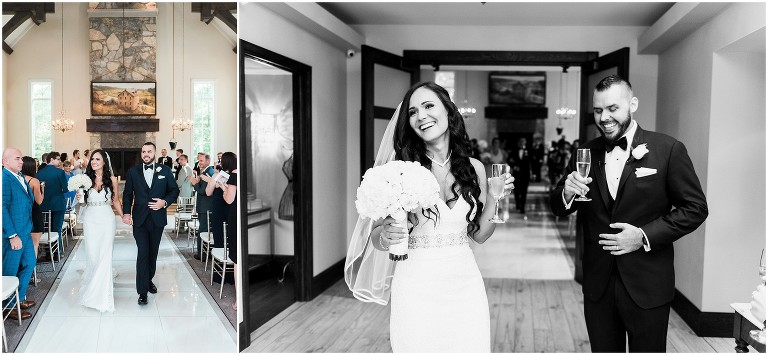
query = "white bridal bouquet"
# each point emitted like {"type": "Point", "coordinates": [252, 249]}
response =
{"type": "Point", "coordinates": [79, 182]}
{"type": "Point", "coordinates": [394, 189]}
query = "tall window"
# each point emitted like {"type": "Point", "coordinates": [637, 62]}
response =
{"type": "Point", "coordinates": [41, 111]}
{"type": "Point", "coordinates": [447, 79]}
{"type": "Point", "coordinates": [203, 115]}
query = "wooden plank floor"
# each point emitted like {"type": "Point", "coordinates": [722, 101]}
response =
{"type": "Point", "coordinates": [526, 316]}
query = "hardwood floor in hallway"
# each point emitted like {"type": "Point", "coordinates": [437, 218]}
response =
{"type": "Point", "coordinates": [535, 305]}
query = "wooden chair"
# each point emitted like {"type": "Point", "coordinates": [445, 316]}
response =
{"type": "Point", "coordinates": [220, 261]}
{"type": "Point", "coordinates": [185, 207]}
{"type": "Point", "coordinates": [10, 288]}
{"type": "Point", "coordinates": [50, 238]}
{"type": "Point", "coordinates": [206, 240]}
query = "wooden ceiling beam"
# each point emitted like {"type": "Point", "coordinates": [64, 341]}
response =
{"type": "Point", "coordinates": [15, 21]}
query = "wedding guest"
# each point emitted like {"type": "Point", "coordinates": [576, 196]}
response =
{"type": "Point", "coordinates": [69, 196]}
{"type": "Point", "coordinates": [29, 169]}
{"type": "Point", "coordinates": [218, 161]}
{"type": "Point", "coordinates": [165, 159]}
{"type": "Point", "coordinates": [196, 167]}
{"type": "Point", "coordinates": [179, 152]}
{"type": "Point", "coordinates": [55, 187]}
{"type": "Point", "coordinates": [86, 158]}
{"type": "Point", "coordinates": [64, 158]}
{"type": "Point", "coordinates": [37, 164]}
{"type": "Point", "coordinates": [77, 163]}
{"type": "Point", "coordinates": [18, 253]}
{"type": "Point", "coordinates": [520, 161]}
{"type": "Point", "coordinates": [45, 162]}
{"type": "Point", "coordinates": [182, 177]}
{"type": "Point", "coordinates": [630, 224]}
{"type": "Point", "coordinates": [204, 202]}
{"type": "Point", "coordinates": [498, 155]}
{"type": "Point", "coordinates": [537, 161]}
{"type": "Point", "coordinates": [225, 206]}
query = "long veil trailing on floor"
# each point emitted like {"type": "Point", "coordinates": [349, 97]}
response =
{"type": "Point", "coordinates": [367, 270]}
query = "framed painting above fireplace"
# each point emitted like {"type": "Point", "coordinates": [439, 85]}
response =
{"type": "Point", "coordinates": [517, 88]}
{"type": "Point", "coordinates": [110, 98]}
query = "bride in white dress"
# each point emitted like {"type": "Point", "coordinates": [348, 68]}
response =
{"type": "Point", "coordinates": [99, 234]}
{"type": "Point", "coordinates": [438, 296]}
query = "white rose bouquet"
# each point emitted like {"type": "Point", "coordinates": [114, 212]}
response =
{"type": "Point", "coordinates": [394, 189]}
{"type": "Point", "coordinates": [80, 182]}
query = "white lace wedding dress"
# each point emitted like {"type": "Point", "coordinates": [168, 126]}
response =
{"type": "Point", "coordinates": [99, 238]}
{"type": "Point", "coordinates": [438, 296]}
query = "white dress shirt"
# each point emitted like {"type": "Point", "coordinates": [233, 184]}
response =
{"type": "Point", "coordinates": [614, 166]}
{"type": "Point", "coordinates": [148, 173]}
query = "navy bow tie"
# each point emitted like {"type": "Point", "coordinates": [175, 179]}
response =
{"type": "Point", "coordinates": [621, 143]}
{"type": "Point", "coordinates": [148, 167]}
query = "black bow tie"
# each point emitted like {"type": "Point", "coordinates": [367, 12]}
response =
{"type": "Point", "coordinates": [148, 167]}
{"type": "Point", "coordinates": [621, 143]}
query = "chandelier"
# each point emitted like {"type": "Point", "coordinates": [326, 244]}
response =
{"type": "Point", "coordinates": [466, 110]}
{"type": "Point", "coordinates": [181, 124]}
{"type": "Point", "coordinates": [564, 112]}
{"type": "Point", "coordinates": [62, 123]}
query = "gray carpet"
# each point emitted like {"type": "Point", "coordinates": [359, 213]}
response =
{"type": "Point", "coordinates": [228, 294]}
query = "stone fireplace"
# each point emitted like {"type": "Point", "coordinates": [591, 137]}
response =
{"type": "Point", "coordinates": [123, 48]}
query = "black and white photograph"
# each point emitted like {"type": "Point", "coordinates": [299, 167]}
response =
{"type": "Point", "coordinates": [118, 120]}
{"type": "Point", "coordinates": [476, 177]}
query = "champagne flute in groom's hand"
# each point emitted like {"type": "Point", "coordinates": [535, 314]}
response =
{"type": "Point", "coordinates": [583, 163]}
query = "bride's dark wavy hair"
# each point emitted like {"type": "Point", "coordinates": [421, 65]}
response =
{"type": "Point", "coordinates": [410, 147]}
{"type": "Point", "coordinates": [106, 173]}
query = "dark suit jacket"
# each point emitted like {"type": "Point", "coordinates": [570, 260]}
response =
{"type": "Point", "coordinates": [167, 161]}
{"type": "Point", "coordinates": [644, 202]}
{"type": "Point", "coordinates": [17, 206]}
{"type": "Point", "coordinates": [138, 194]}
{"type": "Point", "coordinates": [55, 188]}
{"type": "Point", "coordinates": [521, 167]}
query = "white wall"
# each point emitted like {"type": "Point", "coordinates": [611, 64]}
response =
{"type": "Point", "coordinates": [264, 28]}
{"type": "Point", "coordinates": [700, 103]}
{"type": "Point", "coordinates": [38, 56]}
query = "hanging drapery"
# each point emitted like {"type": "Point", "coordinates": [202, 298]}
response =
{"type": "Point", "coordinates": [285, 211]}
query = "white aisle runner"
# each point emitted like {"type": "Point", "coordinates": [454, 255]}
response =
{"type": "Point", "coordinates": [181, 318]}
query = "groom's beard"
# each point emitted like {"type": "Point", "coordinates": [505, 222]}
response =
{"type": "Point", "coordinates": [623, 128]}
{"type": "Point", "coordinates": [151, 159]}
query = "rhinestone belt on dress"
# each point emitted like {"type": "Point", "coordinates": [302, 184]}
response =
{"type": "Point", "coordinates": [99, 203]}
{"type": "Point", "coordinates": [437, 241]}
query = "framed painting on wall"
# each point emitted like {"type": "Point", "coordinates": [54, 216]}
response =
{"type": "Point", "coordinates": [109, 98]}
{"type": "Point", "coordinates": [517, 88]}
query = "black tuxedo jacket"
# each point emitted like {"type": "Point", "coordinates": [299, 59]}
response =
{"type": "Point", "coordinates": [644, 202]}
{"type": "Point", "coordinates": [167, 161]}
{"type": "Point", "coordinates": [521, 166]}
{"type": "Point", "coordinates": [138, 194]}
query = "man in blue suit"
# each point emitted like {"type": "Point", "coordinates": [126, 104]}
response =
{"type": "Point", "coordinates": [53, 195]}
{"type": "Point", "coordinates": [18, 250]}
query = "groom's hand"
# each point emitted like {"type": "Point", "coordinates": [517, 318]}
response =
{"type": "Point", "coordinates": [575, 184]}
{"type": "Point", "coordinates": [158, 204]}
{"type": "Point", "coordinates": [628, 240]}
{"type": "Point", "coordinates": [127, 219]}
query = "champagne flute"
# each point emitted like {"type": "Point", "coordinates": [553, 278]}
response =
{"type": "Point", "coordinates": [759, 335]}
{"type": "Point", "coordinates": [496, 188]}
{"type": "Point", "coordinates": [583, 163]}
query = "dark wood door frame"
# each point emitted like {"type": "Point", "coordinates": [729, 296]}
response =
{"type": "Point", "coordinates": [302, 133]}
{"type": "Point", "coordinates": [368, 112]}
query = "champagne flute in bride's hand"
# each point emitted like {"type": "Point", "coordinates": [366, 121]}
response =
{"type": "Point", "coordinates": [496, 187]}
{"type": "Point", "coordinates": [583, 163]}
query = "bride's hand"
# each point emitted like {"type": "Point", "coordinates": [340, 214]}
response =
{"type": "Point", "coordinates": [392, 232]}
{"type": "Point", "coordinates": [77, 196]}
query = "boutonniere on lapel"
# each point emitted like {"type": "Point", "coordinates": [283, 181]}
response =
{"type": "Point", "coordinates": [640, 151]}
{"type": "Point", "coordinates": [158, 169]}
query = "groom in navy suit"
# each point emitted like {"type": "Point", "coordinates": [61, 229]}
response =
{"type": "Point", "coordinates": [18, 250]}
{"type": "Point", "coordinates": [645, 195]}
{"type": "Point", "coordinates": [150, 188]}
